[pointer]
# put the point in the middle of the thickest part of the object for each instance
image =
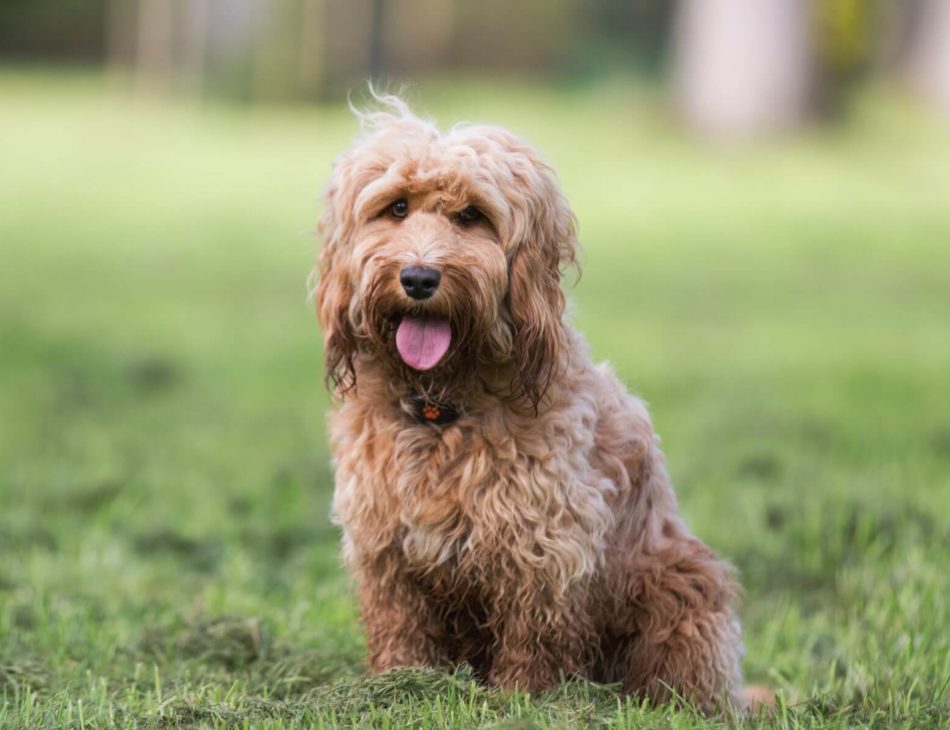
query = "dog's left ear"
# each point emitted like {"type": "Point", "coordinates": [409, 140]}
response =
{"type": "Point", "coordinates": [547, 246]}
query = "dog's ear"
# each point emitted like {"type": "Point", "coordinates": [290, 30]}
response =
{"type": "Point", "coordinates": [335, 289]}
{"type": "Point", "coordinates": [547, 246]}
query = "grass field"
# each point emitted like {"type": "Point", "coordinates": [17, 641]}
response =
{"type": "Point", "coordinates": [165, 552]}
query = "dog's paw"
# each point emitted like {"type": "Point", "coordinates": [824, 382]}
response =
{"type": "Point", "coordinates": [756, 698]}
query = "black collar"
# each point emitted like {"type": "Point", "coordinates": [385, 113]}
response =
{"type": "Point", "coordinates": [425, 410]}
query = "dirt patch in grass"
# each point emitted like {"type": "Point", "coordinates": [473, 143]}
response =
{"type": "Point", "coordinates": [23, 674]}
{"type": "Point", "coordinates": [154, 374]}
{"type": "Point", "coordinates": [204, 556]}
{"type": "Point", "coordinates": [245, 647]}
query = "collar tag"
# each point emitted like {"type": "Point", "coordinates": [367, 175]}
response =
{"type": "Point", "coordinates": [428, 411]}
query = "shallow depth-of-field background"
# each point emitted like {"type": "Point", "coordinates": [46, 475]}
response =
{"type": "Point", "coordinates": [165, 550]}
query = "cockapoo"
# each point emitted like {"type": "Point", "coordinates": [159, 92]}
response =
{"type": "Point", "coordinates": [504, 501]}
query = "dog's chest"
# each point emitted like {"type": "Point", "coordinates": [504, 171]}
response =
{"type": "Point", "coordinates": [435, 492]}
{"type": "Point", "coordinates": [443, 481]}
{"type": "Point", "coordinates": [473, 500]}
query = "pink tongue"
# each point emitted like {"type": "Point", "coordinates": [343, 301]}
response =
{"type": "Point", "coordinates": [422, 341]}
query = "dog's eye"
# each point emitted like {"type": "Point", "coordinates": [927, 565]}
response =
{"type": "Point", "coordinates": [471, 214]}
{"type": "Point", "coordinates": [399, 209]}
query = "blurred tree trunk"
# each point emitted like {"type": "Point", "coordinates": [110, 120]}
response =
{"type": "Point", "coordinates": [195, 44]}
{"type": "Point", "coordinates": [928, 56]}
{"type": "Point", "coordinates": [274, 57]}
{"type": "Point", "coordinates": [311, 67]}
{"type": "Point", "coordinates": [289, 51]}
{"type": "Point", "coordinates": [155, 52]}
{"type": "Point", "coordinates": [121, 31]}
{"type": "Point", "coordinates": [377, 43]}
{"type": "Point", "coordinates": [742, 67]}
{"type": "Point", "coordinates": [418, 36]}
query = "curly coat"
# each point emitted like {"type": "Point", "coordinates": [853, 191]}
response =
{"type": "Point", "coordinates": [537, 537]}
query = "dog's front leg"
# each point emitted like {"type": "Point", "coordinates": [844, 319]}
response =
{"type": "Point", "coordinates": [540, 641]}
{"type": "Point", "coordinates": [402, 630]}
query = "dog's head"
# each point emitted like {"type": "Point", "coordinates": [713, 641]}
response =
{"type": "Point", "coordinates": [443, 254]}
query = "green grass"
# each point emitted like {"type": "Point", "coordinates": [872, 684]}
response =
{"type": "Point", "coordinates": [165, 552]}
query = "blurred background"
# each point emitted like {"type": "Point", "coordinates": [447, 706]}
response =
{"type": "Point", "coordinates": [734, 67]}
{"type": "Point", "coordinates": [763, 191]}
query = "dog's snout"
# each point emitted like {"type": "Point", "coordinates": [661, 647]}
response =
{"type": "Point", "coordinates": [419, 281]}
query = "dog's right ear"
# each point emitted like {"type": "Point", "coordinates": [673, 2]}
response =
{"type": "Point", "coordinates": [335, 291]}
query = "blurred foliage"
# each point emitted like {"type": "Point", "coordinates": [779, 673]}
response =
{"type": "Point", "coordinates": [845, 33]}
{"type": "Point", "coordinates": [623, 36]}
{"type": "Point", "coordinates": [63, 30]}
{"type": "Point", "coordinates": [848, 40]}
{"type": "Point", "coordinates": [315, 50]}
{"type": "Point", "coordinates": [307, 49]}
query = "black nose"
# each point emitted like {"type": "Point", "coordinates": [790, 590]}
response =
{"type": "Point", "coordinates": [419, 282]}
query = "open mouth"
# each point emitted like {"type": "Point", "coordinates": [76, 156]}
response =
{"type": "Point", "coordinates": [423, 340]}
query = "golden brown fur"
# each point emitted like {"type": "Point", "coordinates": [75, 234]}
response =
{"type": "Point", "coordinates": [536, 537]}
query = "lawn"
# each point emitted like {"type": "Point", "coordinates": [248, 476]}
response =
{"type": "Point", "coordinates": [165, 552]}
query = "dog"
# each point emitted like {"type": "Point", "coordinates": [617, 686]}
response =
{"type": "Point", "coordinates": [504, 501]}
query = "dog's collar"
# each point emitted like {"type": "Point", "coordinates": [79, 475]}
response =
{"type": "Point", "coordinates": [426, 410]}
